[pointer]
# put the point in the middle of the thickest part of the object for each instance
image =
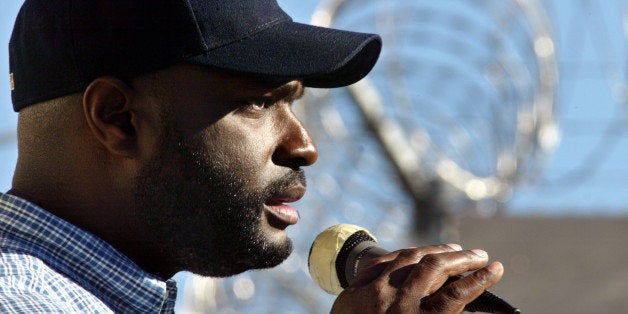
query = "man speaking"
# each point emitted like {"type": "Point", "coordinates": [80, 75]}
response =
{"type": "Point", "coordinates": [157, 136]}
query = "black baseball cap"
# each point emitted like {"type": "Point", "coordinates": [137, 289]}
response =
{"type": "Point", "coordinates": [59, 46]}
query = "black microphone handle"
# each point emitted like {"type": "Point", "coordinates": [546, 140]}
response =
{"type": "Point", "coordinates": [366, 250]}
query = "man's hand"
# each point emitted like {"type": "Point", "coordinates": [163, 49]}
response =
{"type": "Point", "coordinates": [414, 280]}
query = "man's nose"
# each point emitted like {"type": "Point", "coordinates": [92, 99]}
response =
{"type": "Point", "coordinates": [296, 148]}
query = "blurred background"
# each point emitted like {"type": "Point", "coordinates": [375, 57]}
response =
{"type": "Point", "coordinates": [497, 124]}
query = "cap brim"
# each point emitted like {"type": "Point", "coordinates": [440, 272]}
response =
{"type": "Point", "coordinates": [319, 57]}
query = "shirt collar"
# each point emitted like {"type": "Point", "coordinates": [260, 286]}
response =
{"type": "Point", "coordinates": [91, 262]}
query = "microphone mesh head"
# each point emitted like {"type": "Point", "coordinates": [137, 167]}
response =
{"type": "Point", "coordinates": [324, 253]}
{"type": "Point", "coordinates": [341, 260]}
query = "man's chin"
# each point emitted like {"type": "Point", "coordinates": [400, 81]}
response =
{"type": "Point", "coordinates": [264, 256]}
{"type": "Point", "coordinates": [272, 254]}
{"type": "Point", "coordinates": [236, 269]}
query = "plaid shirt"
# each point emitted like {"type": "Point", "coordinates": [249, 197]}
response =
{"type": "Point", "coordinates": [48, 265]}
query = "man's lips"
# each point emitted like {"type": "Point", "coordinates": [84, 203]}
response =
{"type": "Point", "coordinates": [280, 215]}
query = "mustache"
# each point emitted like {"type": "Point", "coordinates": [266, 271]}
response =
{"type": "Point", "coordinates": [290, 179]}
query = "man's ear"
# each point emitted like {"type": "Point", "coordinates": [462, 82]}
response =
{"type": "Point", "coordinates": [107, 106]}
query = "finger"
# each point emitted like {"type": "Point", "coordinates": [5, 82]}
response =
{"type": "Point", "coordinates": [391, 262]}
{"type": "Point", "coordinates": [404, 256]}
{"type": "Point", "coordinates": [434, 270]}
{"type": "Point", "coordinates": [454, 296]}
{"type": "Point", "coordinates": [386, 274]}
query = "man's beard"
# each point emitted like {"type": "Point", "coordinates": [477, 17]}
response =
{"type": "Point", "coordinates": [202, 214]}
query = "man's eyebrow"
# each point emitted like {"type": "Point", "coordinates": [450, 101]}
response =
{"type": "Point", "coordinates": [288, 92]}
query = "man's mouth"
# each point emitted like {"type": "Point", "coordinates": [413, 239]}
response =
{"type": "Point", "coordinates": [279, 214]}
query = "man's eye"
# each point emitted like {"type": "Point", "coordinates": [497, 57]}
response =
{"type": "Point", "coordinates": [253, 107]}
{"type": "Point", "coordinates": [258, 105]}
{"type": "Point", "coordinates": [261, 104]}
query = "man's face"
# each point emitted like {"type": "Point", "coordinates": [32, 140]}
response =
{"type": "Point", "coordinates": [227, 164]}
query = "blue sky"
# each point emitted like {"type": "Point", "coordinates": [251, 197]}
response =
{"type": "Point", "coordinates": [587, 173]}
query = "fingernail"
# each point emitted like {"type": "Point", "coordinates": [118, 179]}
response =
{"type": "Point", "coordinates": [480, 253]}
{"type": "Point", "coordinates": [495, 267]}
{"type": "Point", "coordinates": [455, 247]}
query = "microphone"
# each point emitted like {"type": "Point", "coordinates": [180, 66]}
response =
{"type": "Point", "coordinates": [338, 253]}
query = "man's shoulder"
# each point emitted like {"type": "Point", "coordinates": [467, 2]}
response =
{"type": "Point", "coordinates": [28, 285]}
{"type": "Point", "coordinates": [19, 269]}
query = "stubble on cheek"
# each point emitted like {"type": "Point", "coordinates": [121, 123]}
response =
{"type": "Point", "coordinates": [201, 205]}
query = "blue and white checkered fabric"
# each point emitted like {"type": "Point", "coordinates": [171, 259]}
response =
{"type": "Point", "coordinates": [48, 265]}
